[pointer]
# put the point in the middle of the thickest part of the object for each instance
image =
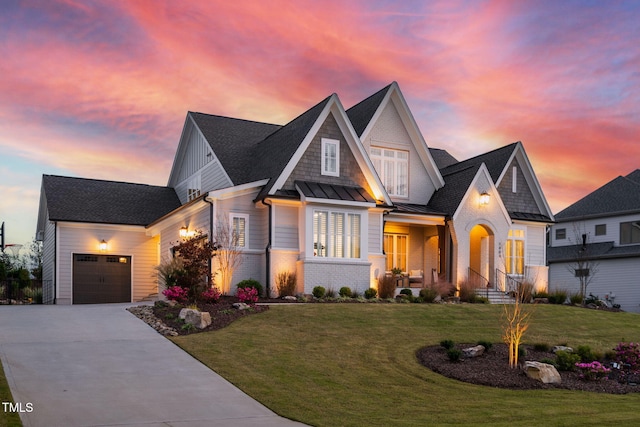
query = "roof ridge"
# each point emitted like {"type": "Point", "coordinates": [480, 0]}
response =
{"type": "Point", "coordinates": [234, 118]}
{"type": "Point", "coordinates": [104, 180]}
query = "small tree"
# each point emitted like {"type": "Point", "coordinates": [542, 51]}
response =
{"type": "Point", "coordinates": [195, 253]}
{"type": "Point", "coordinates": [228, 251]}
{"type": "Point", "coordinates": [517, 317]}
{"type": "Point", "coordinates": [583, 266]}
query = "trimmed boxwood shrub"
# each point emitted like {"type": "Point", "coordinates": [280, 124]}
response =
{"type": "Point", "coordinates": [406, 291]}
{"type": "Point", "coordinates": [566, 361]}
{"type": "Point", "coordinates": [370, 293]}
{"type": "Point", "coordinates": [318, 291]}
{"type": "Point", "coordinates": [250, 283]}
{"type": "Point", "coordinates": [345, 292]}
{"type": "Point", "coordinates": [428, 294]}
{"type": "Point", "coordinates": [454, 354]}
{"type": "Point", "coordinates": [448, 344]}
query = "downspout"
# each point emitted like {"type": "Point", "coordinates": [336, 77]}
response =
{"type": "Point", "coordinates": [268, 251]}
{"type": "Point", "coordinates": [55, 261]}
{"type": "Point", "coordinates": [210, 263]}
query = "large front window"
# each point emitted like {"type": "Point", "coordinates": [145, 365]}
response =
{"type": "Point", "coordinates": [514, 252]}
{"type": "Point", "coordinates": [629, 232]}
{"type": "Point", "coordinates": [336, 234]}
{"type": "Point", "coordinates": [393, 168]}
{"type": "Point", "coordinates": [395, 247]}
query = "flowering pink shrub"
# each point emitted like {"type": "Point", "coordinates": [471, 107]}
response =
{"type": "Point", "coordinates": [628, 355]}
{"type": "Point", "coordinates": [176, 293]}
{"type": "Point", "coordinates": [593, 371]}
{"type": "Point", "coordinates": [248, 295]}
{"type": "Point", "coordinates": [211, 295]}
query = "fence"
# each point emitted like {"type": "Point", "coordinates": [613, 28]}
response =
{"type": "Point", "coordinates": [11, 292]}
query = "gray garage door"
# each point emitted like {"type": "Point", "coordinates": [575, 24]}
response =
{"type": "Point", "coordinates": [99, 279]}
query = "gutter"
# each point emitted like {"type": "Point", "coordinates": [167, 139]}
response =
{"type": "Point", "coordinates": [55, 261]}
{"type": "Point", "coordinates": [268, 250]}
{"type": "Point", "coordinates": [210, 262]}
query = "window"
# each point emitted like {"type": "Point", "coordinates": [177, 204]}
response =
{"type": "Point", "coordinates": [330, 157]}
{"type": "Point", "coordinates": [193, 187]}
{"type": "Point", "coordinates": [629, 232]}
{"type": "Point", "coordinates": [601, 229]}
{"type": "Point", "coordinates": [395, 247]}
{"type": "Point", "coordinates": [240, 229]}
{"type": "Point", "coordinates": [514, 252]}
{"type": "Point", "coordinates": [561, 233]}
{"type": "Point", "coordinates": [393, 168]}
{"type": "Point", "coordinates": [582, 272]}
{"type": "Point", "coordinates": [336, 234]}
{"type": "Point", "coordinates": [514, 180]}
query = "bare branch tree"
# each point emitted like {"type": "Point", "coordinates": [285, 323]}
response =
{"type": "Point", "coordinates": [228, 251]}
{"type": "Point", "coordinates": [583, 266]}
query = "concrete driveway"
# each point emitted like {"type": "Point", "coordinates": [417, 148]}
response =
{"type": "Point", "coordinates": [98, 365]}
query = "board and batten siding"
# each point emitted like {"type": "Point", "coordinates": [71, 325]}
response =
{"type": "Point", "coordinates": [618, 276]}
{"type": "Point", "coordinates": [389, 132]}
{"type": "Point", "coordinates": [48, 262]}
{"type": "Point", "coordinates": [74, 239]}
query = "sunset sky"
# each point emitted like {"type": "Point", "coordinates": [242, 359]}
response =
{"type": "Point", "coordinates": [100, 89]}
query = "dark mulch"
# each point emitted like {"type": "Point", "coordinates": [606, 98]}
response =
{"type": "Point", "coordinates": [222, 314]}
{"type": "Point", "coordinates": [492, 369]}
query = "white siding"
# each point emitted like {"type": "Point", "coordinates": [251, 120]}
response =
{"type": "Point", "coordinates": [389, 132]}
{"type": "Point", "coordinates": [574, 230]}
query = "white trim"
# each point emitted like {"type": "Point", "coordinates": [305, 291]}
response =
{"type": "Point", "coordinates": [492, 191]}
{"type": "Point", "coordinates": [245, 237]}
{"type": "Point", "coordinates": [514, 179]}
{"type": "Point", "coordinates": [325, 144]}
{"type": "Point", "coordinates": [235, 191]}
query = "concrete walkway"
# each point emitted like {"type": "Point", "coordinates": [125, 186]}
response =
{"type": "Point", "coordinates": [98, 365]}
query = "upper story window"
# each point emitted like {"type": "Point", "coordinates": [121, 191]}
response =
{"type": "Point", "coordinates": [514, 180]}
{"type": "Point", "coordinates": [393, 168]}
{"type": "Point", "coordinates": [239, 229]}
{"type": "Point", "coordinates": [330, 157]}
{"type": "Point", "coordinates": [629, 232]}
{"type": "Point", "coordinates": [601, 229]}
{"type": "Point", "coordinates": [336, 234]}
{"type": "Point", "coordinates": [561, 233]}
{"type": "Point", "coordinates": [193, 187]}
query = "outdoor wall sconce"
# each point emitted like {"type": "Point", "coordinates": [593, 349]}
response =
{"type": "Point", "coordinates": [484, 198]}
{"type": "Point", "coordinates": [103, 245]}
{"type": "Point", "coordinates": [184, 231]}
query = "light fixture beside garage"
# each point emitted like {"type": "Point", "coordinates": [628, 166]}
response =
{"type": "Point", "coordinates": [103, 245]}
{"type": "Point", "coordinates": [184, 231]}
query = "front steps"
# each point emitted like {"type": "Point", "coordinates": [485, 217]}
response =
{"type": "Point", "coordinates": [497, 297]}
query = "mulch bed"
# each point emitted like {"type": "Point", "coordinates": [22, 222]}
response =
{"type": "Point", "coordinates": [222, 314]}
{"type": "Point", "coordinates": [492, 369]}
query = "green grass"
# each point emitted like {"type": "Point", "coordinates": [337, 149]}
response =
{"type": "Point", "coordinates": [7, 419]}
{"type": "Point", "coordinates": [355, 365]}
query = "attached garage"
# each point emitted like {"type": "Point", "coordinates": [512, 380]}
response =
{"type": "Point", "coordinates": [100, 279]}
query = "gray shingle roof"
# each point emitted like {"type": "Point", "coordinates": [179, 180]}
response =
{"type": "Point", "coordinates": [442, 158]}
{"type": "Point", "coordinates": [106, 202]}
{"type": "Point", "coordinates": [621, 195]}
{"type": "Point", "coordinates": [360, 114]}
{"type": "Point", "coordinates": [456, 182]}
{"type": "Point", "coordinates": [495, 160]}
{"type": "Point", "coordinates": [320, 190]}
{"type": "Point", "coordinates": [602, 250]}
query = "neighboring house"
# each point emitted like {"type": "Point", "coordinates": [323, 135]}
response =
{"type": "Point", "coordinates": [338, 197]}
{"type": "Point", "coordinates": [599, 237]}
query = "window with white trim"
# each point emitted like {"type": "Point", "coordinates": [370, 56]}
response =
{"type": "Point", "coordinates": [239, 229]}
{"type": "Point", "coordinates": [629, 233]}
{"type": "Point", "coordinates": [393, 169]}
{"type": "Point", "coordinates": [330, 157]}
{"type": "Point", "coordinates": [514, 251]}
{"type": "Point", "coordinates": [336, 234]}
{"type": "Point", "coordinates": [193, 187]}
{"type": "Point", "coordinates": [396, 248]}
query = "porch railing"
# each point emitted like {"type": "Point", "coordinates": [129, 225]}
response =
{"type": "Point", "coordinates": [507, 283]}
{"type": "Point", "coordinates": [478, 282]}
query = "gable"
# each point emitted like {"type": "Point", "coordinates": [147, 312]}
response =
{"type": "Point", "coordinates": [308, 167]}
{"type": "Point", "coordinates": [522, 199]}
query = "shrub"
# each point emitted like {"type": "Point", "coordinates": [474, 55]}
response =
{"type": "Point", "coordinates": [558, 296]}
{"type": "Point", "coordinates": [318, 291]}
{"type": "Point", "coordinates": [250, 283]}
{"type": "Point", "coordinates": [575, 299]}
{"type": "Point", "coordinates": [211, 295]}
{"type": "Point", "coordinates": [454, 354]}
{"type": "Point", "coordinates": [585, 353]}
{"type": "Point", "coordinates": [406, 291]}
{"type": "Point", "coordinates": [286, 284]}
{"type": "Point", "coordinates": [448, 344]}
{"type": "Point", "coordinates": [628, 355]}
{"type": "Point", "coordinates": [592, 371]}
{"type": "Point", "coordinates": [566, 361]}
{"type": "Point", "coordinates": [248, 295]}
{"type": "Point", "coordinates": [330, 293]}
{"type": "Point", "coordinates": [486, 344]}
{"type": "Point", "coordinates": [540, 294]}
{"type": "Point", "coordinates": [33, 294]}
{"type": "Point", "coordinates": [176, 293]}
{"type": "Point", "coordinates": [370, 293]}
{"type": "Point", "coordinates": [386, 286]}
{"type": "Point", "coordinates": [466, 292]}
{"type": "Point", "coordinates": [522, 352]}
{"type": "Point", "coordinates": [550, 362]}
{"type": "Point", "coordinates": [355, 294]}
{"type": "Point", "coordinates": [345, 292]}
{"type": "Point", "coordinates": [428, 294]}
{"type": "Point", "coordinates": [541, 346]}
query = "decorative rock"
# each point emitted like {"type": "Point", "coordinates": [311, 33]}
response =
{"type": "Point", "coordinates": [473, 351]}
{"type": "Point", "coordinates": [541, 300]}
{"type": "Point", "coordinates": [198, 319]}
{"type": "Point", "coordinates": [542, 372]}
{"type": "Point", "coordinates": [145, 313]}
{"type": "Point", "coordinates": [562, 348]}
{"type": "Point", "coordinates": [185, 311]}
{"type": "Point", "coordinates": [290, 298]}
{"type": "Point", "coordinates": [240, 306]}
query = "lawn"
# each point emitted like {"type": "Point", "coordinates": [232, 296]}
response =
{"type": "Point", "coordinates": [355, 364]}
{"type": "Point", "coordinates": [7, 419]}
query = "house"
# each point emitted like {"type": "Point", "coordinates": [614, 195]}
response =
{"type": "Point", "coordinates": [598, 239]}
{"type": "Point", "coordinates": [340, 197]}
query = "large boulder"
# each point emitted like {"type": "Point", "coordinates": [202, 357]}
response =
{"type": "Point", "coordinates": [199, 319]}
{"type": "Point", "coordinates": [184, 311]}
{"type": "Point", "coordinates": [473, 351]}
{"type": "Point", "coordinates": [543, 372]}
{"type": "Point", "coordinates": [558, 348]}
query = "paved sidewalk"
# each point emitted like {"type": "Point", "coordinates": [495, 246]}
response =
{"type": "Point", "coordinates": [98, 365]}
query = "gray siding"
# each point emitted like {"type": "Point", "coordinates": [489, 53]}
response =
{"type": "Point", "coordinates": [522, 200]}
{"type": "Point", "coordinates": [48, 262]}
{"type": "Point", "coordinates": [286, 227]}
{"type": "Point", "coordinates": [195, 154]}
